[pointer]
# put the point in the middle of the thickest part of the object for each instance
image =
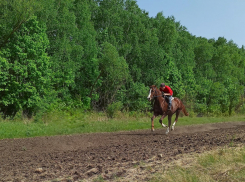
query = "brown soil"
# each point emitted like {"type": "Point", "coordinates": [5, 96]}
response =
{"type": "Point", "coordinates": [108, 155]}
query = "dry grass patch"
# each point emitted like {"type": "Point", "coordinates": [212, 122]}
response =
{"type": "Point", "coordinates": [225, 164]}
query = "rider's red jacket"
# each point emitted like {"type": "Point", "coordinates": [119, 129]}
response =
{"type": "Point", "coordinates": [167, 89]}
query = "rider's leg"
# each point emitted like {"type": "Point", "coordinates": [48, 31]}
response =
{"type": "Point", "coordinates": [169, 102]}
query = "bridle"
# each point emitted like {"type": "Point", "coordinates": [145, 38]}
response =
{"type": "Point", "coordinates": [154, 96]}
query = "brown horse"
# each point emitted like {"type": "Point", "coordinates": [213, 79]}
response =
{"type": "Point", "coordinates": [161, 108]}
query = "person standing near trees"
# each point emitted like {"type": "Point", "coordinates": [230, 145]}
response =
{"type": "Point", "coordinates": [168, 92]}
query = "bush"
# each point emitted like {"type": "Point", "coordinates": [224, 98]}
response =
{"type": "Point", "coordinates": [113, 108]}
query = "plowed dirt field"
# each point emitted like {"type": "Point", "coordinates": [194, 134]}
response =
{"type": "Point", "coordinates": [108, 155]}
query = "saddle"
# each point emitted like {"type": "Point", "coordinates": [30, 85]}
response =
{"type": "Point", "coordinates": [166, 98]}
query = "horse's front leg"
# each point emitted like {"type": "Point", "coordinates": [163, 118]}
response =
{"type": "Point", "coordinates": [160, 120]}
{"type": "Point", "coordinates": [169, 123]}
{"type": "Point", "coordinates": [152, 122]}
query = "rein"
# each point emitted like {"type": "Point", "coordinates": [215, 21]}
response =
{"type": "Point", "coordinates": [157, 96]}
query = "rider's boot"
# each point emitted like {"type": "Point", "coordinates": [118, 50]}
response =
{"type": "Point", "coordinates": [169, 106]}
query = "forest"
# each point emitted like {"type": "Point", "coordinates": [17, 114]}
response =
{"type": "Point", "coordinates": [104, 54]}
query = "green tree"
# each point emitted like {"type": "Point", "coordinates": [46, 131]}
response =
{"type": "Point", "coordinates": [25, 71]}
{"type": "Point", "coordinates": [73, 49]}
{"type": "Point", "coordinates": [61, 29]}
{"type": "Point", "coordinates": [167, 32]}
{"type": "Point", "coordinates": [13, 13]}
{"type": "Point", "coordinates": [113, 74]}
{"type": "Point", "coordinates": [85, 37]}
{"type": "Point", "coordinates": [204, 52]}
{"type": "Point", "coordinates": [184, 58]}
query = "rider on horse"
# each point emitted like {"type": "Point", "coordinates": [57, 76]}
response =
{"type": "Point", "coordinates": [168, 93]}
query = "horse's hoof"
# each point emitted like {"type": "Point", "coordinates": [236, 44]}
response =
{"type": "Point", "coordinates": [152, 130]}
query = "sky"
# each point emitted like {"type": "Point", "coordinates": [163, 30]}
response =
{"type": "Point", "coordinates": [204, 18]}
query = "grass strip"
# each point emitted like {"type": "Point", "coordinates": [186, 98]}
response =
{"type": "Point", "coordinates": [64, 123]}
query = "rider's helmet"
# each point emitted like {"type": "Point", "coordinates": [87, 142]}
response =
{"type": "Point", "coordinates": [162, 85]}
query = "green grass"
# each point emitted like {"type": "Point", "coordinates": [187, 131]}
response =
{"type": "Point", "coordinates": [76, 122]}
{"type": "Point", "coordinates": [226, 164]}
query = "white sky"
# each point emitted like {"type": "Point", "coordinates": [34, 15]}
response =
{"type": "Point", "coordinates": [205, 18]}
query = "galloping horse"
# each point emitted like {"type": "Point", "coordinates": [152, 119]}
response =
{"type": "Point", "coordinates": [161, 108]}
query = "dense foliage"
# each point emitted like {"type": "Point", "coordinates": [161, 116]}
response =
{"type": "Point", "coordinates": [99, 54]}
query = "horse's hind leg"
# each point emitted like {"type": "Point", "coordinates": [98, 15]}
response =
{"type": "Point", "coordinates": [176, 119]}
{"type": "Point", "coordinates": [160, 120]}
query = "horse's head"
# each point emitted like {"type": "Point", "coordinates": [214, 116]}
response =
{"type": "Point", "coordinates": [152, 92]}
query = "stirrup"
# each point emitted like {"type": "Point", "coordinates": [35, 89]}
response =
{"type": "Point", "coordinates": [169, 108]}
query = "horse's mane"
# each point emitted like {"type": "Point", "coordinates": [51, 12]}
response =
{"type": "Point", "coordinates": [155, 88]}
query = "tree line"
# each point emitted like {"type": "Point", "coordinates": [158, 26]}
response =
{"type": "Point", "coordinates": [100, 54]}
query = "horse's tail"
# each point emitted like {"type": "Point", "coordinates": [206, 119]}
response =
{"type": "Point", "coordinates": [184, 111]}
